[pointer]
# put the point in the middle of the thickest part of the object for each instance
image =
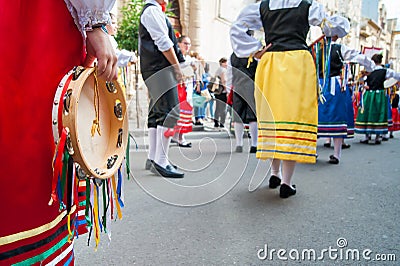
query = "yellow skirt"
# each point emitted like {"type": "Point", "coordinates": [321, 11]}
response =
{"type": "Point", "coordinates": [286, 106]}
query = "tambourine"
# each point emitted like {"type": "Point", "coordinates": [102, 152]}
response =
{"type": "Point", "coordinates": [92, 113]}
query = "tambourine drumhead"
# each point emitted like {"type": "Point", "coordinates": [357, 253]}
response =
{"type": "Point", "coordinates": [99, 154]}
{"type": "Point", "coordinates": [389, 83]}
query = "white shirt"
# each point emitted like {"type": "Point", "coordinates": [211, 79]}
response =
{"type": "Point", "coordinates": [250, 19]}
{"type": "Point", "coordinates": [154, 20]}
{"type": "Point", "coordinates": [355, 56]}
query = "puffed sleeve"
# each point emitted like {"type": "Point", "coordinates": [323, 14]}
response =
{"type": "Point", "coordinates": [356, 57]}
{"type": "Point", "coordinates": [89, 13]}
{"type": "Point", "coordinates": [249, 19]}
{"type": "Point", "coordinates": [390, 73]}
{"type": "Point", "coordinates": [316, 14]}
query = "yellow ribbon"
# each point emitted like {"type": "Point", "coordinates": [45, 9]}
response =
{"type": "Point", "coordinates": [96, 103]}
{"type": "Point", "coordinates": [116, 197]}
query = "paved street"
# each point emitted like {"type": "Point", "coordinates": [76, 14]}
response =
{"type": "Point", "coordinates": [211, 218]}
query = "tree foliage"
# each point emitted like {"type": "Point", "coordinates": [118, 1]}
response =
{"type": "Point", "coordinates": [128, 30]}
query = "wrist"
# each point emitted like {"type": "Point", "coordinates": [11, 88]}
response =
{"type": "Point", "coordinates": [97, 26]}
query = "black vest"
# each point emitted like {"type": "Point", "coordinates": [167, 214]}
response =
{"type": "Point", "coordinates": [152, 59]}
{"type": "Point", "coordinates": [395, 101]}
{"type": "Point", "coordinates": [336, 60]}
{"type": "Point", "coordinates": [286, 28]}
{"type": "Point", "coordinates": [376, 79]}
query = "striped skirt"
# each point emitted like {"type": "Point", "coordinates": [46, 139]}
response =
{"type": "Point", "coordinates": [332, 114]}
{"type": "Point", "coordinates": [286, 106]}
{"type": "Point", "coordinates": [372, 117]}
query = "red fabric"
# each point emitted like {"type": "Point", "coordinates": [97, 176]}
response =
{"type": "Point", "coordinates": [229, 99]}
{"type": "Point", "coordinates": [41, 45]}
{"type": "Point", "coordinates": [396, 120]}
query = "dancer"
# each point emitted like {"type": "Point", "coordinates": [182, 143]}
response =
{"type": "Point", "coordinates": [185, 93]}
{"type": "Point", "coordinates": [372, 116]}
{"type": "Point", "coordinates": [160, 58]}
{"type": "Point", "coordinates": [332, 111]}
{"type": "Point", "coordinates": [287, 132]}
{"type": "Point", "coordinates": [243, 74]}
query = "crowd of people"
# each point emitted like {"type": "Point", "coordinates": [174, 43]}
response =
{"type": "Point", "coordinates": [276, 96]}
{"type": "Point", "coordinates": [271, 85]}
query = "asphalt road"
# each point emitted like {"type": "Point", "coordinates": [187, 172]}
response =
{"type": "Point", "coordinates": [216, 215]}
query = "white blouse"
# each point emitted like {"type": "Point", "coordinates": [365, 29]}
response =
{"type": "Point", "coordinates": [355, 56]}
{"type": "Point", "coordinates": [88, 13]}
{"type": "Point", "coordinates": [250, 19]}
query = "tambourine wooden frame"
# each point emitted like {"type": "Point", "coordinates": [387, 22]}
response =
{"type": "Point", "coordinates": [101, 155]}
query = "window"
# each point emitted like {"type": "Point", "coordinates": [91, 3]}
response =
{"type": "Point", "coordinates": [228, 10]}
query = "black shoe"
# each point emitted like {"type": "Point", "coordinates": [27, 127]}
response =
{"type": "Point", "coordinates": [364, 141]}
{"type": "Point", "coordinates": [327, 145]}
{"type": "Point", "coordinates": [391, 136]}
{"type": "Point", "coordinates": [185, 144]}
{"type": "Point", "coordinates": [168, 172]}
{"type": "Point", "coordinates": [333, 160]}
{"type": "Point", "coordinates": [221, 125]}
{"type": "Point", "coordinates": [253, 149]}
{"type": "Point", "coordinates": [239, 149]}
{"type": "Point", "coordinates": [174, 141]}
{"type": "Point", "coordinates": [286, 191]}
{"type": "Point", "coordinates": [377, 141]}
{"type": "Point", "coordinates": [385, 139]}
{"type": "Point", "coordinates": [148, 164]}
{"type": "Point", "coordinates": [345, 146]}
{"type": "Point", "coordinates": [274, 181]}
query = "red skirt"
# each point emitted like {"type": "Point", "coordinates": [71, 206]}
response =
{"type": "Point", "coordinates": [41, 45]}
{"type": "Point", "coordinates": [185, 123]}
{"type": "Point", "coordinates": [396, 120]}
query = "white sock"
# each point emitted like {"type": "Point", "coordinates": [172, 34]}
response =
{"type": "Point", "coordinates": [287, 172]}
{"type": "Point", "coordinates": [276, 167]}
{"type": "Point", "coordinates": [337, 147]}
{"type": "Point", "coordinates": [253, 133]}
{"type": "Point", "coordinates": [152, 143]}
{"type": "Point", "coordinates": [366, 137]}
{"type": "Point", "coordinates": [162, 147]}
{"type": "Point", "coordinates": [176, 136]}
{"type": "Point", "coordinates": [239, 129]}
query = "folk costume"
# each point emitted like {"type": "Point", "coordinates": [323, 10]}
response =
{"type": "Point", "coordinates": [31, 231]}
{"type": "Point", "coordinates": [243, 104]}
{"type": "Point", "coordinates": [395, 114]}
{"type": "Point", "coordinates": [372, 117]}
{"type": "Point", "coordinates": [156, 36]}
{"type": "Point", "coordinates": [286, 131]}
{"type": "Point", "coordinates": [334, 108]}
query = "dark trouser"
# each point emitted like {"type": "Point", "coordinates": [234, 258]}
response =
{"type": "Point", "coordinates": [220, 108]}
{"type": "Point", "coordinates": [243, 111]}
{"type": "Point", "coordinates": [164, 103]}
